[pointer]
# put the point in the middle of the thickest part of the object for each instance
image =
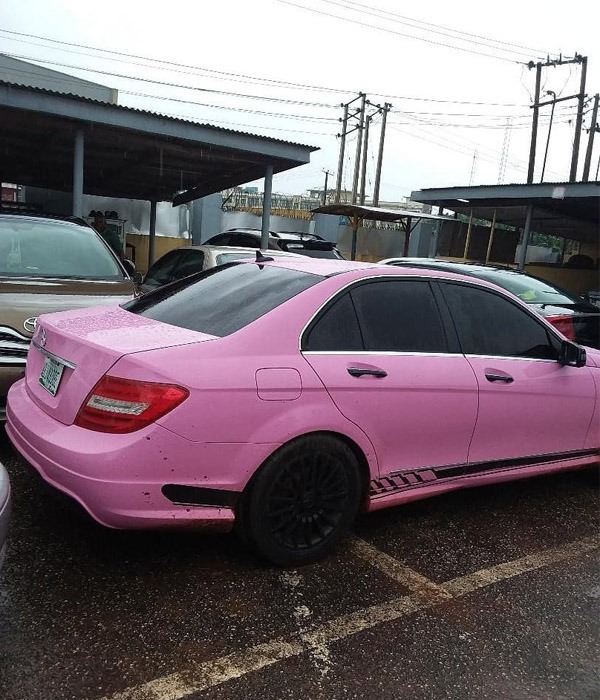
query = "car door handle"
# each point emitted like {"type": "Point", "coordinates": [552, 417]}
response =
{"type": "Point", "coordinates": [360, 371]}
{"type": "Point", "coordinates": [492, 377]}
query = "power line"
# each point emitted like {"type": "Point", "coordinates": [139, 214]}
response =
{"type": "Point", "coordinates": [225, 75]}
{"type": "Point", "coordinates": [454, 34]}
{"type": "Point", "coordinates": [438, 26]}
{"type": "Point", "coordinates": [165, 83]}
{"type": "Point", "coordinates": [396, 33]}
{"type": "Point", "coordinates": [465, 151]}
{"type": "Point", "coordinates": [279, 115]}
{"type": "Point", "coordinates": [176, 65]}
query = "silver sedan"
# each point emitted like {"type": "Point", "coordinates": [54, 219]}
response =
{"type": "Point", "coordinates": [4, 510]}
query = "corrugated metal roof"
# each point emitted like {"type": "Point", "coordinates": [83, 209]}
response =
{"type": "Point", "coordinates": [134, 110]}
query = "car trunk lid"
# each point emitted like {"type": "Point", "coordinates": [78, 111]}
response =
{"type": "Point", "coordinates": [71, 351]}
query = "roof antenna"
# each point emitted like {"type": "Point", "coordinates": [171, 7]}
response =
{"type": "Point", "coordinates": [260, 258]}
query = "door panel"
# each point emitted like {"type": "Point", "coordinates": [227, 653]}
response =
{"type": "Point", "coordinates": [546, 409]}
{"type": "Point", "coordinates": [529, 404]}
{"type": "Point", "coordinates": [382, 352]}
{"type": "Point", "coordinates": [421, 414]}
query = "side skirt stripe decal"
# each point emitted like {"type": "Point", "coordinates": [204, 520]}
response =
{"type": "Point", "coordinates": [418, 477]}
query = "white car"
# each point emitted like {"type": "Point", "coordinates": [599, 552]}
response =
{"type": "Point", "coordinates": [181, 262]}
{"type": "Point", "coordinates": [4, 510]}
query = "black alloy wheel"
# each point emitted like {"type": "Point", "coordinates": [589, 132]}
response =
{"type": "Point", "coordinates": [303, 500]}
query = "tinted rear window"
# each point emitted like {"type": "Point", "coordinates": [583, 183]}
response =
{"type": "Point", "coordinates": [223, 299]}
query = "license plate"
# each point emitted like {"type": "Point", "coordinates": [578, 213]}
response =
{"type": "Point", "coordinates": [51, 374]}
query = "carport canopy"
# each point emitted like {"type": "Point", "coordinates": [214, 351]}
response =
{"type": "Point", "coordinates": [127, 152]}
{"type": "Point", "coordinates": [569, 210]}
{"type": "Point", "coordinates": [359, 212]}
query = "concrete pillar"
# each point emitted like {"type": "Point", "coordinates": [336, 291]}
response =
{"type": "Point", "coordinates": [152, 232]}
{"type": "Point", "coordinates": [266, 214]}
{"type": "Point", "coordinates": [78, 173]}
{"type": "Point", "coordinates": [525, 240]}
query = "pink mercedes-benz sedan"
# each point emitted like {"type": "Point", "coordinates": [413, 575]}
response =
{"type": "Point", "coordinates": [285, 396]}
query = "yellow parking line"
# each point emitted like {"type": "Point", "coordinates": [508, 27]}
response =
{"type": "Point", "coordinates": [212, 673]}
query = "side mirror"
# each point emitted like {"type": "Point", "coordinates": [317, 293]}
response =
{"type": "Point", "coordinates": [137, 278]}
{"type": "Point", "coordinates": [572, 355]}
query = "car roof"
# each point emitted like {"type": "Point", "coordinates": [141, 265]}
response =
{"type": "Point", "coordinates": [466, 268]}
{"type": "Point", "coordinates": [41, 217]}
{"type": "Point", "coordinates": [290, 235]}
{"type": "Point", "coordinates": [235, 249]}
{"type": "Point", "coordinates": [328, 267]}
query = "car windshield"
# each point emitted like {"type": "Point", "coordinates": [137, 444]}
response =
{"type": "Point", "coordinates": [32, 247]}
{"type": "Point", "coordinates": [223, 299]}
{"type": "Point", "coordinates": [530, 289]}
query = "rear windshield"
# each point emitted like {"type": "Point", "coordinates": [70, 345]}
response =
{"type": "Point", "coordinates": [312, 249]}
{"type": "Point", "coordinates": [47, 248]}
{"type": "Point", "coordinates": [223, 299]}
{"type": "Point", "coordinates": [224, 258]}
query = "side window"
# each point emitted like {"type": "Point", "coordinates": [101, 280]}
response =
{"type": "Point", "coordinates": [249, 241]}
{"type": "Point", "coordinates": [221, 239]}
{"type": "Point", "coordinates": [399, 316]}
{"type": "Point", "coordinates": [336, 329]}
{"type": "Point", "coordinates": [489, 324]}
{"type": "Point", "coordinates": [191, 261]}
{"type": "Point", "coordinates": [162, 271]}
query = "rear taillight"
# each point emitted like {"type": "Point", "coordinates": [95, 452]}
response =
{"type": "Point", "coordinates": [564, 324]}
{"type": "Point", "coordinates": [118, 405]}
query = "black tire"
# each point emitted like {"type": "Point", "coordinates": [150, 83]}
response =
{"type": "Point", "coordinates": [303, 499]}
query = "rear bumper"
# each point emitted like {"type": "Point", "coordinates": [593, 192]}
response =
{"type": "Point", "coordinates": [117, 479]}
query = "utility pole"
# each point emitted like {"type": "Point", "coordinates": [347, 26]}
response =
{"type": "Point", "coordinates": [505, 147]}
{"type": "Point", "coordinates": [386, 108]}
{"type": "Point", "coordinates": [537, 104]}
{"type": "Point", "coordinates": [338, 186]}
{"type": "Point", "coordinates": [534, 126]}
{"type": "Point", "coordinates": [473, 165]}
{"type": "Point", "coordinates": [361, 126]}
{"type": "Point", "coordinates": [363, 174]}
{"type": "Point", "coordinates": [575, 157]}
{"type": "Point", "coordinates": [345, 132]}
{"type": "Point", "coordinates": [324, 198]}
{"type": "Point", "coordinates": [594, 127]}
{"type": "Point", "coordinates": [548, 92]}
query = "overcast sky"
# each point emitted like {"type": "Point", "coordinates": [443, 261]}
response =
{"type": "Point", "coordinates": [452, 89]}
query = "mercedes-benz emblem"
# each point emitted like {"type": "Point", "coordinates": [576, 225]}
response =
{"type": "Point", "coordinates": [29, 324]}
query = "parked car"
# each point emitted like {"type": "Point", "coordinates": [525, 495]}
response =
{"type": "Point", "coordinates": [49, 264]}
{"type": "Point", "coordinates": [4, 510]}
{"type": "Point", "coordinates": [181, 262]}
{"type": "Point", "coordinates": [575, 317]}
{"type": "Point", "coordinates": [286, 396]}
{"type": "Point", "coordinates": [303, 243]}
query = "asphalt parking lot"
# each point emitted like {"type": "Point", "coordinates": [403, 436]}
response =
{"type": "Point", "coordinates": [488, 593]}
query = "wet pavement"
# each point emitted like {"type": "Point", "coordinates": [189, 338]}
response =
{"type": "Point", "coordinates": [488, 593]}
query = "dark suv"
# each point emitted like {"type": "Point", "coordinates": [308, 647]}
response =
{"type": "Point", "coordinates": [303, 243]}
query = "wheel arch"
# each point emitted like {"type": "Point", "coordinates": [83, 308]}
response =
{"type": "Point", "coordinates": [361, 458]}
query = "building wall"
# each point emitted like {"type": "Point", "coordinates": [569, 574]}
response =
{"type": "Point", "coordinates": [137, 248]}
{"type": "Point", "coordinates": [19, 72]}
{"type": "Point", "coordinates": [578, 281]}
